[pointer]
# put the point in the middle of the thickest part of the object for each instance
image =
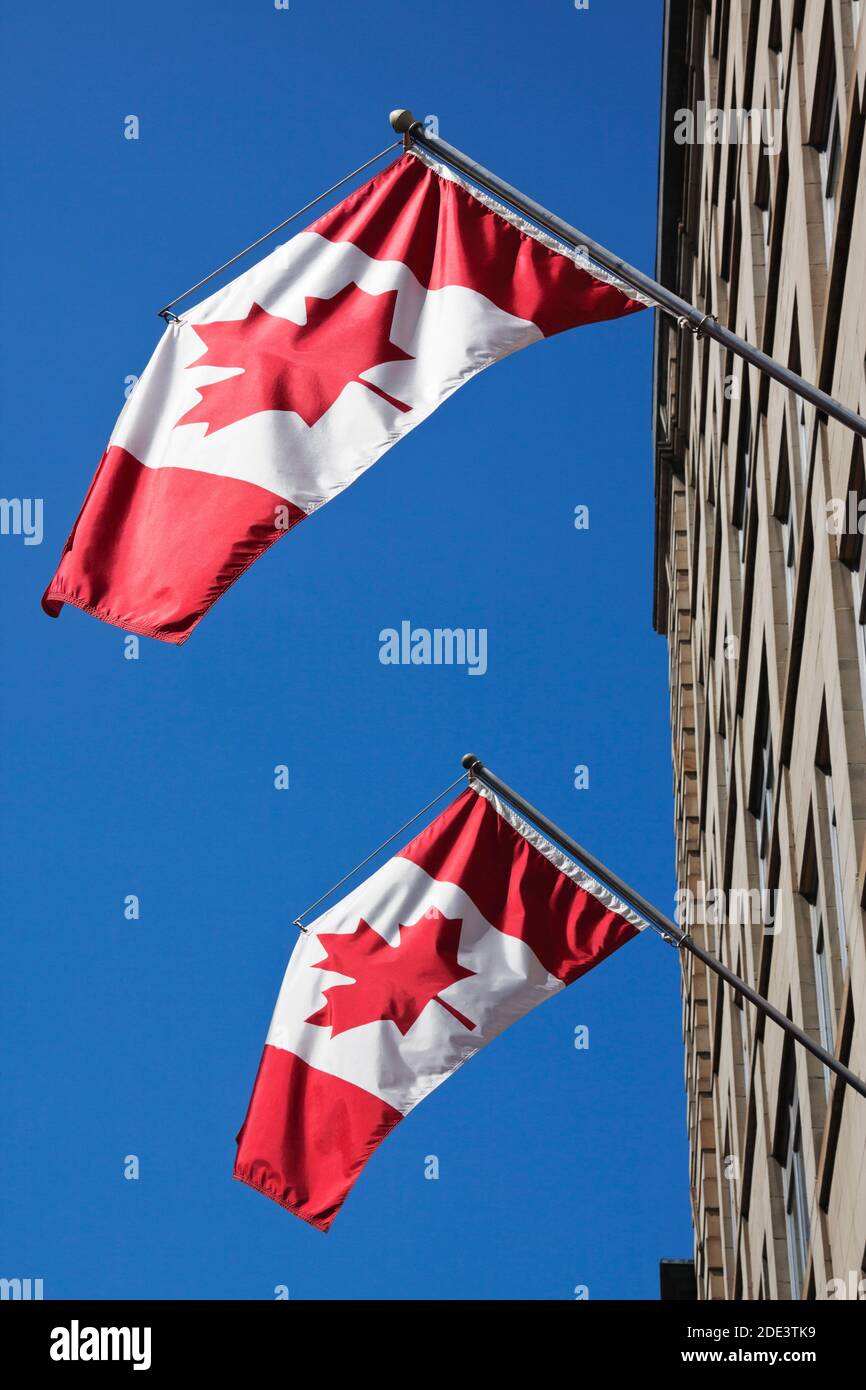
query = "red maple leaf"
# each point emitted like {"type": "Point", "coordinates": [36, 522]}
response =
{"type": "Point", "coordinates": [290, 366]}
{"type": "Point", "coordinates": [390, 982]}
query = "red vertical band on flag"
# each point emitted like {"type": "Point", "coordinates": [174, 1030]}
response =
{"type": "Point", "coordinates": [153, 548]}
{"type": "Point", "coordinates": [307, 1135]}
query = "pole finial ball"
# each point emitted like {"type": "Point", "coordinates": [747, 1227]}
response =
{"type": "Point", "coordinates": [401, 121]}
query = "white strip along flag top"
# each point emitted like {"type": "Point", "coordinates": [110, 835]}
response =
{"type": "Point", "coordinates": [474, 923]}
{"type": "Point", "coordinates": [274, 394]}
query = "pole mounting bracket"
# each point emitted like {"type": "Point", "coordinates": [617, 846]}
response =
{"type": "Point", "coordinates": [697, 328]}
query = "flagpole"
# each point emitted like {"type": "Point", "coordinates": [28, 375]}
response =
{"type": "Point", "coordinates": [701, 324]}
{"type": "Point", "coordinates": [165, 311]}
{"type": "Point", "coordinates": [658, 920]}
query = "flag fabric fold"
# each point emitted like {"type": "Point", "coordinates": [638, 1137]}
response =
{"type": "Point", "coordinates": [469, 927]}
{"type": "Point", "coordinates": [275, 393]}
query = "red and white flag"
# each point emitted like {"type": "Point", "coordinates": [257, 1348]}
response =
{"type": "Point", "coordinates": [281, 389]}
{"type": "Point", "coordinates": [464, 931]}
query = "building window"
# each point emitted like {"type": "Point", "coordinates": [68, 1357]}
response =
{"type": "Point", "coordinates": [730, 1175]}
{"type": "Point", "coordinates": [827, 133]}
{"type": "Point", "coordinates": [797, 418]}
{"type": "Point", "coordinates": [838, 893]}
{"type": "Point", "coordinates": [822, 985]}
{"type": "Point", "coordinates": [787, 525]}
{"type": "Point", "coordinates": [776, 50]}
{"type": "Point", "coordinates": [763, 197]}
{"type": "Point", "coordinates": [790, 558]}
{"type": "Point", "coordinates": [858, 585]}
{"type": "Point", "coordinates": [743, 1030]}
{"type": "Point", "coordinates": [724, 717]}
{"type": "Point", "coordinates": [743, 473]}
{"type": "Point", "coordinates": [852, 552]}
{"type": "Point", "coordinates": [859, 578]}
{"type": "Point", "coordinates": [762, 782]}
{"type": "Point", "coordinates": [789, 1154]}
{"type": "Point", "coordinates": [813, 886]}
{"type": "Point", "coordinates": [830, 158]}
{"type": "Point", "coordinates": [765, 809]}
{"type": "Point", "coordinates": [803, 442]}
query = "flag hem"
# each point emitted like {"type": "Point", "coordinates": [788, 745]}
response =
{"type": "Point", "coordinates": [320, 1225]}
{"type": "Point", "coordinates": [54, 594]}
{"type": "Point", "coordinates": [385, 1126]}
{"type": "Point", "coordinates": [522, 224]}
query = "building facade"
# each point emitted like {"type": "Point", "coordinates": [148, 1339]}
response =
{"type": "Point", "coordinates": [760, 590]}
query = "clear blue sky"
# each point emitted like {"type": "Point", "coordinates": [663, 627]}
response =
{"type": "Point", "coordinates": [154, 777]}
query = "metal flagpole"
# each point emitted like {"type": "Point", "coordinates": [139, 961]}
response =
{"type": "Point", "coordinates": [414, 132]}
{"type": "Point", "coordinates": [668, 929]}
{"type": "Point", "coordinates": [299, 920]}
{"type": "Point", "coordinates": [165, 311]}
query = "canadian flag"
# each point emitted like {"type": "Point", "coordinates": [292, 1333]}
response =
{"type": "Point", "coordinates": [464, 931]}
{"type": "Point", "coordinates": [278, 391]}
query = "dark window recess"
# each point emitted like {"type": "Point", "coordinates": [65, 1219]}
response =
{"type": "Point", "coordinates": [762, 749]}
{"type": "Point", "coordinates": [836, 1104]}
{"type": "Point", "coordinates": [730, 839]}
{"type": "Point", "coordinates": [705, 377]}
{"type": "Point", "coordinates": [705, 767]}
{"type": "Point", "coordinates": [851, 540]}
{"type": "Point", "coordinates": [794, 359]}
{"type": "Point", "coordinates": [795, 646]}
{"type": "Point", "coordinates": [696, 553]}
{"type": "Point", "coordinates": [774, 255]}
{"type": "Point", "coordinates": [788, 1153]}
{"type": "Point", "coordinates": [839, 206]}
{"type": "Point", "coordinates": [749, 1156]}
{"type": "Point", "coordinates": [821, 131]}
{"type": "Point", "coordinates": [727, 258]}
{"type": "Point", "coordinates": [714, 587]}
{"type": "Point", "coordinates": [832, 147]}
{"type": "Point", "coordinates": [762, 190]}
{"type": "Point", "coordinates": [809, 868]}
{"type": "Point", "coordinates": [743, 465]}
{"type": "Point", "coordinates": [736, 262]}
{"type": "Point", "coordinates": [751, 53]}
{"type": "Point", "coordinates": [763, 789]}
{"type": "Point", "coordinates": [782, 499]}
